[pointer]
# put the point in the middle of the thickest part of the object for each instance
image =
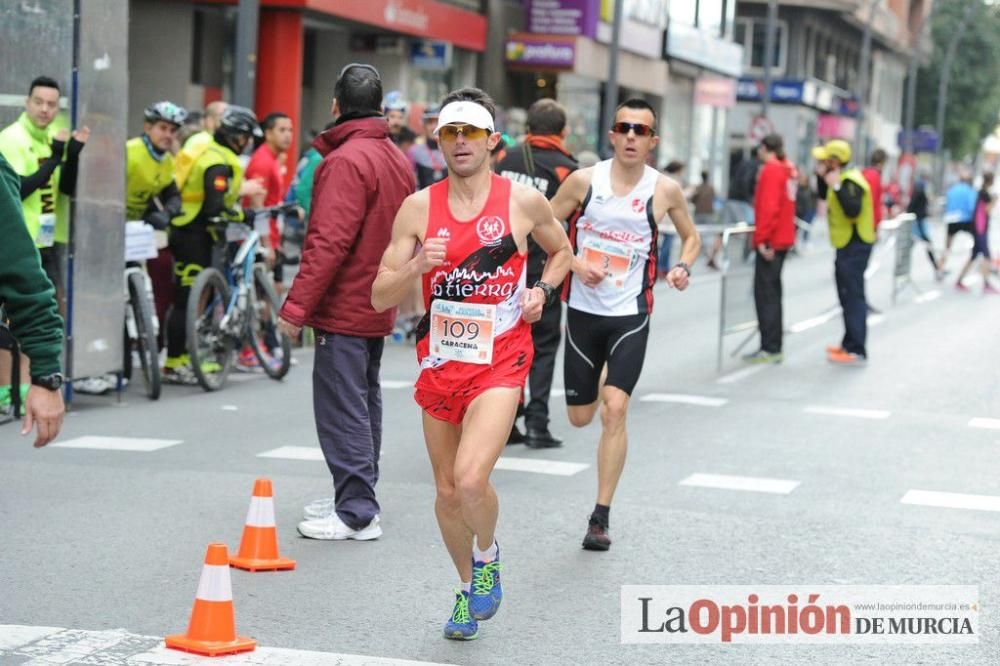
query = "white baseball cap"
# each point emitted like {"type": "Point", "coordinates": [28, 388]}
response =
{"type": "Point", "coordinates": [465, 113]}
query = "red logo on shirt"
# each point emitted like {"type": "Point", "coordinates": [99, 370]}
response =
{"type": "Point", "coordinates": [490, 230]}
{"type": "Point", "coordinates": [638, 205]}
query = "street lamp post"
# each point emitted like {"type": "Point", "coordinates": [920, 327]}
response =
{"type": "Point", "coordinates": [949, 59]}
{"type": "Point", "coordinates": [611, 86]}
{"type": "Point", "coordinates": [772, 28]}
{"type": "Point", "coordinates": [244, 83]}
{"type": "Point", "coordinates": [866, 64]}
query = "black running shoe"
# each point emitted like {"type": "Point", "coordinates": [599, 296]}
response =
{"type": "Point", "coordinates": [597, 537]}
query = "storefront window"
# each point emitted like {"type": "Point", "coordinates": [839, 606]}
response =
{"type": "Point", "coordinates": [752, 34]}
{"type": "Point", "coordinates": [711, 16]}
{"type": "Point", "coordinates": [582, 99]}
{"type": "Point", "coordinates": [685, 12]}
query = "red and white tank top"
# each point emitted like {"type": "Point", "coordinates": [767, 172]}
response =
{"type": "Point", "coordinates": [482, 267]}
{"type": "Point", "coordinates": [619, 234]}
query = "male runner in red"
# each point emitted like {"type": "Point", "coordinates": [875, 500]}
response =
{"type": "Point", "coordinates": [474, 344]}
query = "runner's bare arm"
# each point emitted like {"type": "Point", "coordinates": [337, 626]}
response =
{"type": "Point", "coordinates": [567, 200]}
{"type": "Point", "coordinates": [674, 204]}
{"type": "Point", "coordinates": [399, 267]}
{"type": "Point", "coordinates": [549, 235]}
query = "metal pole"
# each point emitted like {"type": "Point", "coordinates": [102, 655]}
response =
{"type": "Point", "coordinates": [772, 29]}
{"type": "Point", "coordinates": [247, 21]}
{"type": "Point", "coordinates": [911, 84]}
{"type": "Point", "coordinates": [611, 85]}
{"type": "Point", "coordinates": [866, 64]}
{"type": "Point", "coordinates": [949, 58]}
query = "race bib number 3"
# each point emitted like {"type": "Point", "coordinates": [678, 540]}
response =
{"type": "Point", "coordinates": [463, 331]}
{"type": "Point", "coordinates": [615, 258]}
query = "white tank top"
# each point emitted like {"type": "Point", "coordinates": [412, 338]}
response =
{"type": "Point", "coordinates": [620, 234]}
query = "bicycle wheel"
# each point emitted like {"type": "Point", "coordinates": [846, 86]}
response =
{"type": "Point", "coordinates": [145, 343]}
{"type": "Point", "coordinates": [263, 330]}
{"type": "Point", "coordinates": [209, 345]}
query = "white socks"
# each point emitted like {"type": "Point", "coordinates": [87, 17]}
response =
{"type": "Point", "coordinates": [466, 587]}
{"type": "Point", "coordinates": [487, 555]}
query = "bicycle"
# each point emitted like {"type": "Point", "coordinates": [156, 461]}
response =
{"type": "Point", "coordinates": [227, 311]}
{"type": "Point", "coordinates": [141, 329]}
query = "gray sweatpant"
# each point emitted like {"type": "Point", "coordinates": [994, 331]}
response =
{"type": "Point", "coordinates": [347, 404]}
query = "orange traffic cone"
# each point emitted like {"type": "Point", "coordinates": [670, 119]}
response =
{"type": "Point", "coordinates": [259, 547]}
{"type": "Point", "coordinates": [212, 630]}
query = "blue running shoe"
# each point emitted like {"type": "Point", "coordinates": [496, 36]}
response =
{"type": "Point", "coordinates": [461, 626]}
{"type": "Point", "coordinates": [484, 601]}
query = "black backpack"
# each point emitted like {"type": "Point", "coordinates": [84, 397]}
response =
{"type": "Point", "coordinates": [9, 342]}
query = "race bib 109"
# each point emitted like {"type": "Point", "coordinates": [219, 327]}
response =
{"type": "Point", "coordinates": [463, 331]}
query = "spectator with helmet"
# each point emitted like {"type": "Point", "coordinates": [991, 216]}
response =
{"type": "Point", "coordinates": [395, 109]}
{"type": "Point", "coordinates": [426, 157]}
{"type": "Point", "coordinates": [209, 191]}
{"type": "Point", "coordinates": [151, 192]}
{"type": "Point", "coordinates": [851, 219]}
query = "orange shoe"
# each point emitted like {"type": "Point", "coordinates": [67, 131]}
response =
{"type": "Point", "coordinates": [834, 349]}
{"type": "Point", "coordinates": [842, 357]}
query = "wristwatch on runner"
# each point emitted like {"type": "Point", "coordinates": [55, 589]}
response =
{"type": "Point", "coordinates": [549, 290]}
{"type": "Point", "coordinates": [51, 382]}
{"type": "Point", "coordinates": [681, 264]}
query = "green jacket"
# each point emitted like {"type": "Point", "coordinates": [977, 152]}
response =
{"type": "Point", "coordinates": [25, 291]}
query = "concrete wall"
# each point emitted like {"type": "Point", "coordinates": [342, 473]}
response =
{"type": "Point", "coordinates": [159, 52]}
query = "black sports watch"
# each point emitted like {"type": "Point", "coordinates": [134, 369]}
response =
{"type": "Point", "coordinates": [549, 290]}
{"type": "Point", "coordinates": [51, 382]}
{"type": "Point", "coordinates": [681, 264]}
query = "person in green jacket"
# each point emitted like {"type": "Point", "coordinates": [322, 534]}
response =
{"type": "Point", "coordinates": [45, 155]}
{"type": "Point", "coordinates": [28, 297]}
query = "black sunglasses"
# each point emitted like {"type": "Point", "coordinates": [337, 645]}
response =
{"type": "Point", "coordinates": [362, 65]}
{"type": "Point", "coordinates": [640, 129]}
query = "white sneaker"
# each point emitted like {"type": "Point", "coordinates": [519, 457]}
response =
{"type": "Point", "coordinates": [92, 386]}
{"type": "Point", "coordinates": [332, 528]}
{"type": "Point", "coordinates": [321, 508]}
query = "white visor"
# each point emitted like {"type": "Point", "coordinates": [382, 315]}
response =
{"type": "Point", "coordinates": [465, 113]}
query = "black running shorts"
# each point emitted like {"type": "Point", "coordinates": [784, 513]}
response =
{"type": "Point", "coordinates": [593, 340]}
{"type": "Point", "coordinates": [958, 227]}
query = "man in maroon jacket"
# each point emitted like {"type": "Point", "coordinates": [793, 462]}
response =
{"type": "Point", "coordinates": [358, 187]}
{"type": "Point", "coordinates": [773, 236]}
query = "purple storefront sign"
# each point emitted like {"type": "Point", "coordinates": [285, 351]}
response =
{"type": "Point", "coordinates": [539, 51]}
{"type": "Point", "coordinates": [562, 17]}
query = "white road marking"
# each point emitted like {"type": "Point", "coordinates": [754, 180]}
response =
{"type": "Point", "coordinates": [539, 466]}
{"type": "Point", "coordinates": [396, 384]}
{"type": "Point", "coordinates": [928, 296]}
{"type": "Point", "coordinates": [739, 375]}
{"type": "Point", "coordinates": [48, 646]}
{"type": "Point", "coordinates": [294, 453]}
{"type": "Point", "coordinates": [876, 319]}
{"type": "Point", "coordinates": [230, 408]}
{"type": "Point", "coordinates": [750, 483]}
{"type": "Point", "coordinates": [144, 445]}
{"type": "Point", "coordinates": [989, 424]}
{"type": "Point", "coordinates": [847, 411]}
{"type": "Point", "coordinates": [684, 399]}
{"type": "Point", "coordinates": [952, 500]}
{"type": "Point", "coordinates": [813, 322]}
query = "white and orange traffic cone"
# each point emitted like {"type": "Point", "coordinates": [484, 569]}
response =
{"type": "Point", "coordinates": [212, 630]}
{"type": "Point", "coordinates": [259, 546]}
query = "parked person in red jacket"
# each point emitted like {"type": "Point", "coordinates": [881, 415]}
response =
{"type": "Point", "coordinates": [773, 236]}
{"type": "Point", "coordinates": [357, 189]}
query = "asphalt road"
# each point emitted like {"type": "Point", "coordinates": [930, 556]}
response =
{"type": "Point", "coordinates": [111, 542]}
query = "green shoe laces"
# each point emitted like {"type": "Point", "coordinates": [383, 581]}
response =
{"type": "Point", "coordinates": [482, 581]}
{"type": "Point", "coordinates": [461, 613]}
